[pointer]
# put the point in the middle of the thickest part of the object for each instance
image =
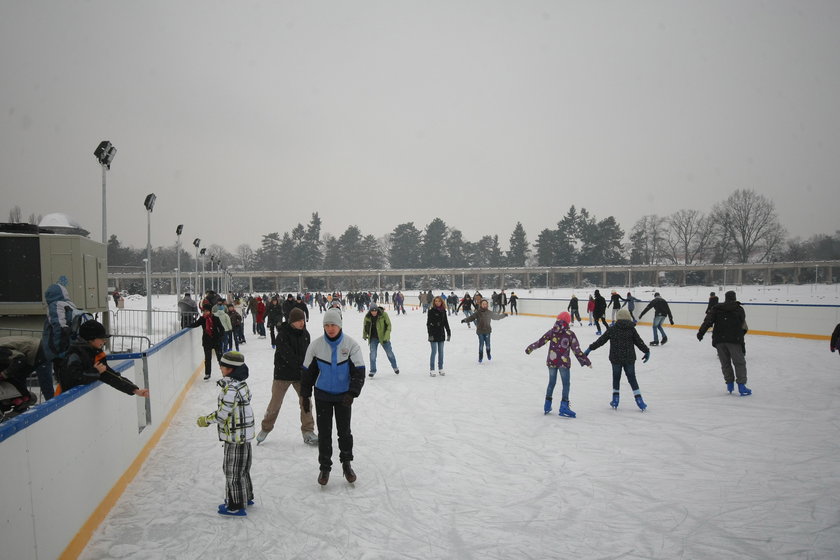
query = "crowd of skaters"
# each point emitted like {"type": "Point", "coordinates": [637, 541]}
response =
{"type": "Point", "coordinates": [313, 370]}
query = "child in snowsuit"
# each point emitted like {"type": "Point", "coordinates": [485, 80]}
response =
{"type": "Point", "coordinates": [335, 368]}
{"type": "Point", "coordinates": [482, 319]}
{"type": "Point", "coordinates": [623, 337]}
{"type": "Point", "coordinates": [561, 340]}
{"type": "Point", "coordinates": [235, 421]}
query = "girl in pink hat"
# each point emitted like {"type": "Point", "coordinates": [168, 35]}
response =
{"type": "Point", "coordinates": [561, 341]}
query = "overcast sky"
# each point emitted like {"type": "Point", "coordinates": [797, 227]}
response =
{"type": "Point", "coordinates": [245, 117]}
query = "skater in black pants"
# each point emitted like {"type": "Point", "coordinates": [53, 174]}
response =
{"type": "Point", "coordinates": [335, 369]}
{"type": "Point", "coordinates": [512, 301]}
{"type": "Point", "coordinates": [212, 333]}
{"type": "Point", "coordinates": [599, 312]}
{"type": "Point", "coordinates": [623, 338]}
{"type": "Point", "coordinates": [573, 310]}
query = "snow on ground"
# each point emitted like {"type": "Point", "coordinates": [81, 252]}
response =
{"type": "Point", "coordinates": [467, 466]}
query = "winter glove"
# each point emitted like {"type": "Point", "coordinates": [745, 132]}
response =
{"type": "Point", "coordinates": [203, 421]}
{"type": "Point", "coordinates": [587, 351]}
{"type": "Point", "coordinates": [347, 400]}
{"type": "Point", "coordinates": [528, 351]}
{"type": "Point", "coordinates": [672, 321]}
{"type": "Point", "coordinates": [448, 337]}
{"type": "Point", "coordinates": [646, 357]}
{"type": "Point", "coordinates": [431, 338]}
{"type": "Point", "coordinates": [833, 348]}
{"type": "Point", "coordinates": [463, 320]}
{"type": "Point", "coordinates": [305, 404]}
{"type": "Point", "coordinates": [699, 336]}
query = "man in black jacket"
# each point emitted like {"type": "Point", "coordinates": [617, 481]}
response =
{"type": "Point", "coordinates": [730, 326]}
{"type": "Point", "coordinates": [86, 363]}
{"type": "Point", "coordinates": [660, 311]}
{"type": "Point", "coordinates": [292, 342]}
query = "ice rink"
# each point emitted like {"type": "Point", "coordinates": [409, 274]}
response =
{"type": "Point", "coordinates": [467, 466]}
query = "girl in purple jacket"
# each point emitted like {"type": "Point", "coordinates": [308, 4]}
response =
{"type": "Point", "coordinates": [561, 341]}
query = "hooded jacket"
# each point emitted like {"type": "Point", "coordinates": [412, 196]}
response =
{"type": "Point", "coordinates": [379, 326]}
{"type": "Point", "coordinates": [60, 310]}
{"type": "Point", "coordinates": [561, 341]}
{"type": "Point", "coordinates": [234, 416]}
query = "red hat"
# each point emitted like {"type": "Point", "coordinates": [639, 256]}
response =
{"type": "Point", "coordinates": [564, 317]}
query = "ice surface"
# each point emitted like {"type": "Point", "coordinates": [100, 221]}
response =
{"type": "Point", "coordinates": [467, 466]}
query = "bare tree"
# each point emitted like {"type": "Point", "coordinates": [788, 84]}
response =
{"type": "Point", "coordinates": [15, 215]}
{"type": "Point", "coordinates": [749, 222]}
{"type": "Point", "coordinates": [689, 235]}
{"type": "Point", "coordinates": [646, 240]}
{"type": "Point", "coordinates": [245, 255]}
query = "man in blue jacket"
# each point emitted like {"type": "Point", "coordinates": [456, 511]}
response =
{"type": "Point", "coordinates": [335, 367]}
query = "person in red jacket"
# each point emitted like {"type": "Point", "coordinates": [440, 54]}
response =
{"type": "Point", "coordinates": [260, 317]}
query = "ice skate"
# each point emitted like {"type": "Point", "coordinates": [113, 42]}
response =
{"type": "Point", "coordinates": [566, 411]}
{"type": "Point", "coordinates": [223, 510]}
{"type": "Point", "coordinates": [641, 403]}
{"type": "Point", "coordinates": [730, 386]}
{"type": "Point", "coordinates": [348, 472]}
{"type": "Point", "coordinates": [614, 402]}
{"type": "Point", "coordinates": [743, 390]}
{"type": "Point", "coordinates": [547, 406]}
{"type": "Point", "coordinates": [310, 438]}
{"type": "Point", "coordinates": [432, 373]}
{"type": "Point", "coordinates": [323, 477]}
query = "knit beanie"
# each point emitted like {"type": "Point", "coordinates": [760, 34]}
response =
{"type": "Point", "coordinates": [730, 296]}
{"type": "Point", "coordinates": [296, 314]}
{"type": "Point", "coordinates": [232, 359]}
{"type": "Point", "coordinates": [623, 315]}
{"type": "Point", "coordinates": [332, 316]}
{"type": "Point", "coordinates": [564, 317]}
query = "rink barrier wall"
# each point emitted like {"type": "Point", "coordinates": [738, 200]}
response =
{"type": "Point", "coordinates": [67, 461]}
{"type": "Point", "coordinates": [797, 320]}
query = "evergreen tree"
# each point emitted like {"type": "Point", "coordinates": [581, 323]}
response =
{"type": "Point", "coordinates": [519, 250]}
{"type": "Point", "coordinates": [405, 246]}
{"type": "Point", "coordinates": [332, 253]}
{"type": "Point", "coordinates": [373, 256]}
{"type": "Point", "coordinates": [433, 249]}
{"type": "Point", "coordinates": [352, 248]}
{"type": "Point", "coordinates": [310, 251]}
{"type": "Point", "coordinates": [455, 248]}
{"type": "Point", "coordinates": [268, 255]}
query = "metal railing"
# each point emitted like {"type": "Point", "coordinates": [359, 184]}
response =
{"type": "Point", "coordinates": [133, 323]}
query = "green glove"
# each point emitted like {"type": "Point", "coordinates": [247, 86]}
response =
{"type": "Point", "coordinates": [203, 421]}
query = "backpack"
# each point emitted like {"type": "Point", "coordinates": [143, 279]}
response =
{"type": "Point", "coordinates": [80, 316]}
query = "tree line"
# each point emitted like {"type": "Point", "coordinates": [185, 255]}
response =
{"type": "Point", "coordinates": [742, 228]}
